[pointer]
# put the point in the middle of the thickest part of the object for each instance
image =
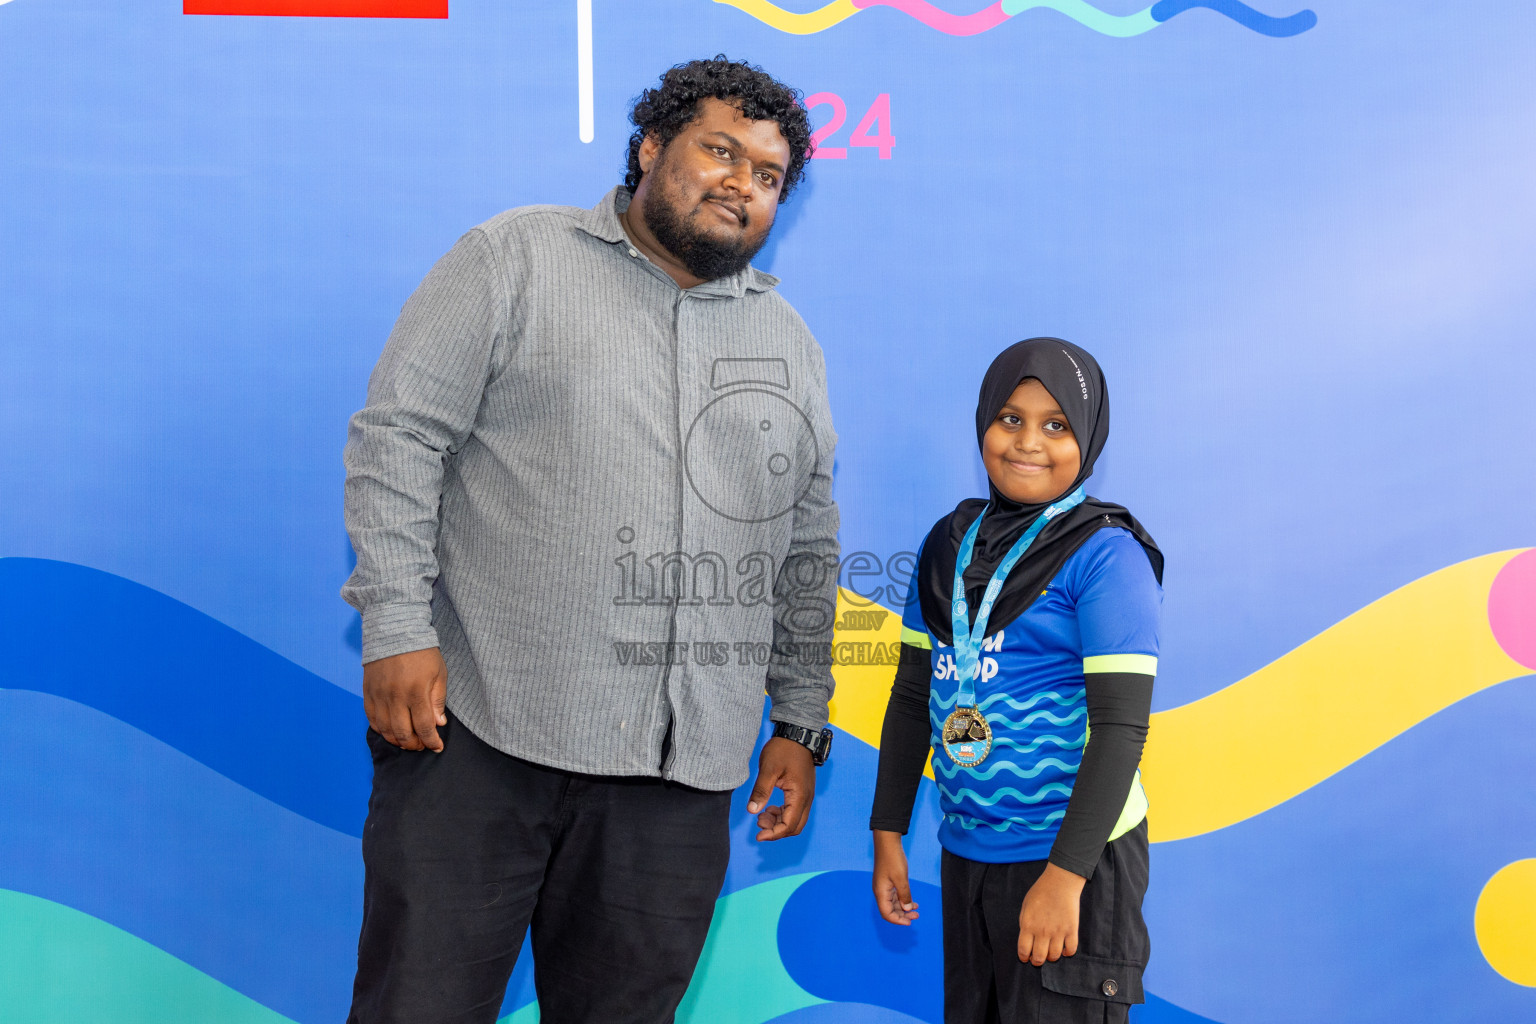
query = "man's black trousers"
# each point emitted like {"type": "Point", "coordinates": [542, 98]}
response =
{"type": "Point", "coordinates": [466, 850]}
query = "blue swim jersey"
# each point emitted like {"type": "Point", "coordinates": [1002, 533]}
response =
{"type": "Point", "coordinates": [1100, 613]}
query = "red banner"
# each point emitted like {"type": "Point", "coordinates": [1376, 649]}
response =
{"type": "Point", "coordinates": [320, 8]}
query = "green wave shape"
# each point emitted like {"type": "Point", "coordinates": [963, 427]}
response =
{"type": "Point", "coordinates": [1116, 25]}
{"type": "Point", "coordinates": [740, 978]}
{"type": "Point", "coordinates": [61, 966]}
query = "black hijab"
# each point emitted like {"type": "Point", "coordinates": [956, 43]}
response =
{"type": "Point", "coordinates": [1074, 379]}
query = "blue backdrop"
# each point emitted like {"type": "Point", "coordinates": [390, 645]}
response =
{"type": "Point", "coordinates": [1301, 242]}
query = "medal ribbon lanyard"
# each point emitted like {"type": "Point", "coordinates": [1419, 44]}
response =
{"type": "Point", "coordinates": [967, 637]}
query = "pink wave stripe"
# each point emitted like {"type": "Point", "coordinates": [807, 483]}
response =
{"type": "Point", "coordinates": [950, 24]}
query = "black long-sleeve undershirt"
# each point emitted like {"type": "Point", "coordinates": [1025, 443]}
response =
{"type": "Point", "coordinates": [1119, 708]}
{"type": "Point", "coordinates": [905, 739]}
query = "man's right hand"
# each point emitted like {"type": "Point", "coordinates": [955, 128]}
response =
{"type": "Point", "coordinates": [405, 698]}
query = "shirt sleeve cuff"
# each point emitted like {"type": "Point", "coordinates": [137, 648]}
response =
{"type": "Point", "coordinates": [801, 716]}
{"type": "Point", "coordinates": [397, 629]}
{"type": "Point", "coordinates": [1072, 864]}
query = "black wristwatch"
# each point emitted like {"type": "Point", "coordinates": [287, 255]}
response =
{"type": "Point", "coordinates": [818, 743]}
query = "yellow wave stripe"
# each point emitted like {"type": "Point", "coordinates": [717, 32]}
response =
{"type": "Point", "coordinates": [1326, 704]}
{"type": "Point", "coordinates": [797, 24]}
{"type": "Point", "coordinates": [1293, 723]}
{"type": "Point", "coordinates": [858, 703]}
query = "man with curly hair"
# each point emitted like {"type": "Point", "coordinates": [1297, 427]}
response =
{"type": "Point", "coordinates": [590, 486]}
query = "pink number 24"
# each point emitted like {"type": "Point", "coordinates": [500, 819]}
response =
{"type": "Point", "coordinates": [878, 115]}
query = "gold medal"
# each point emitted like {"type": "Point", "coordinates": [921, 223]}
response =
{"type": "Point", "coordinates": [967, 737]}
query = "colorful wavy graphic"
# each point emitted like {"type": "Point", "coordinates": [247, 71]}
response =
{"type": "Point", "coordinates": [188, 680]}
{"type": "Point", "coordinates": [1084, 13]}
{"type": "Point", "coordinates": [195, 859]}
{"type": "Point", "coordinates": [1380, 672]}
{"type": "Point", "coordinates": [1248, 747]}
{"type": "Point", "coordinates": [62, 966]}
{"type": "Point", "coordinates": [108, 820]}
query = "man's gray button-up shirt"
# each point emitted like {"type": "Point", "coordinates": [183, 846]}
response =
{"type": "Point", "coordinates": [605, 498]}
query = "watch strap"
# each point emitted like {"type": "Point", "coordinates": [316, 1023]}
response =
{"type": "Point", "coordinates": [818, 743]}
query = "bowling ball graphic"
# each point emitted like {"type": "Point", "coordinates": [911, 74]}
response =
{"type": "Point", "coordinates": [749, 455]}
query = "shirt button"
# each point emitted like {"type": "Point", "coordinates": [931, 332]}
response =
{"type": "Point", "coordinates": [1110, 987]}
{"type": "Point", "coordinates": [633, 253]}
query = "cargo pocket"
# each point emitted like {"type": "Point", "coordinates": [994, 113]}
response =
{"type": "Point", "coordinates": [1093, 977]}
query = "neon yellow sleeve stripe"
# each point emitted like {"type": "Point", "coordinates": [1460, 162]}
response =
{"type": "Point", "coordinates": [1135, 809]}
{"type": "Point", "coordinates": [1145, 664]}
{"type": "Point", "coordinates": [916, 639]}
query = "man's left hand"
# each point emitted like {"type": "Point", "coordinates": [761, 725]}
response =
{"type": "Point", "coordinates": [787, 766]}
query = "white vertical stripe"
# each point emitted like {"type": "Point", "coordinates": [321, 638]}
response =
{"type": "Point", "coordinates": [584, 67]}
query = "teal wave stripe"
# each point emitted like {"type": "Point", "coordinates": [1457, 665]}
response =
{"type": "Point", "coordinates": [1060, 699]}
{"type": "Point", "coordinates": [1040, 741]}
{"type": "Point", "coordinates": [60, 966]}
{"type": "Point", "coordinates": [970, 824]}
{"type": "Point", "coordinates": [740, 978]}
{"type": "Point", "coordinates": [1005, 793]}
{"type": "Point", "coordinates": [522, 1015]}
{"type": "Point", "coordinates": [1022, 723]}
{"type": "Point", "coordinates": [949, 771]}
{"type": "Point", "coordinates": [1039, 716]}
{"type": "Point", "coordinates": [1089, 16]}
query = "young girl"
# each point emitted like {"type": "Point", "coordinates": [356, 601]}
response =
{"type": "Point", "coordinates": [1031, 618]}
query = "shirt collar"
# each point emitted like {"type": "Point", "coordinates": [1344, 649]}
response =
{"type": "Point", "coordinates": [602, 221]}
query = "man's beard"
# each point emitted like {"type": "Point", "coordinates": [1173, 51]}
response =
{"type": "Point", "coordinates": [705, 256]}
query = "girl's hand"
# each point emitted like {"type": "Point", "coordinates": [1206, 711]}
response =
{"type": "Point", "coordinates": [1048, 919]}
{"type": "Point", "coordinates": [893, 895]}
